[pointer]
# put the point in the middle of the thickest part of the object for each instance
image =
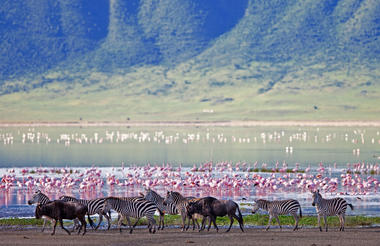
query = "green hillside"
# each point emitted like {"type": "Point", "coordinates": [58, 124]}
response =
{"type": "Point", "coordinates": [190, 60]}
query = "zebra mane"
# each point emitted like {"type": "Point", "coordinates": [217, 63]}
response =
{"type": "Point", "coordinates": [176, 194]}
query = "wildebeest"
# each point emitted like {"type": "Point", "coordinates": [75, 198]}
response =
{"type": "Point", "coordinates": [60, 210]}
{"type": "Point", "coordinates": [212, 207]}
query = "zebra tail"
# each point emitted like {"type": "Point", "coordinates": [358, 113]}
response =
{"type": "Point", "coordinates": [351, 206]}
{"type": "Point", "coordinates": [300, 212]}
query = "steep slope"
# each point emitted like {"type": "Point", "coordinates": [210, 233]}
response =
{"type": "Point", "coordinates": [188, 59]}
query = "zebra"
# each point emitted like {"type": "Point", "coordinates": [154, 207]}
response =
{"type": "Point", "coordinates": [170, 208]}
{"type": "Point", "coordinates": [135, 208]}
{"type": "Point", "coordinates": [94, 206]}
{"type": "Point", "coordinates": [276, 208]}
{"type": "Point", "coordinates": [40, 198]}
{"type": "Point", "coordinates": [181, 204]}
{"type": "Point", "coordinates": [329, 207]}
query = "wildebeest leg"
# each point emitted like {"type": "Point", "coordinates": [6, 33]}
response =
{"type": "Point", "coordinates": [61, 222]}
{"type": "Point", "coordinates": [214, 222]}
{"type": "Point", "coordinates": [240, 220]}
{"type": "Point", "coordinates": [83, 224]}
{"type": "Point", "coordinates": [55, 224]}
{"type": "Point", "coordinates": [202, 224]}
{"type": "Point", "coordinates": [232, 221]}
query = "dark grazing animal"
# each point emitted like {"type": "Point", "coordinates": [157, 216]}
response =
{"type": "Point", "coordinates": [60, 210]}
{"type": "Point", "coordinates": [329, 207]}
{"type": "Point", "coordinates": [279, 207]}
{"type": "Point", "coordinates": [94, 206]}
{"type": "Point", "coordinates": [40, 198]}
{"type": "Point", "coordinates": [212, 207]}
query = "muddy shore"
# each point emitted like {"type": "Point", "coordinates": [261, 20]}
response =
{"type": "Point", "coordinates": [173, 236]}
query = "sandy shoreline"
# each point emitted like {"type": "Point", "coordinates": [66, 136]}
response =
{"type": "Point", "coordinates": [352, 236]}
{"type": "Point", "coordinates": [321, 123]}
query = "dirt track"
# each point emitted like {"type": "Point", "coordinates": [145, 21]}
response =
{"type": "Point", "coordinates": [311, 237]}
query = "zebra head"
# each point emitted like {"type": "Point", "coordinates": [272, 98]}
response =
{"type": "Point", "coordinates": [37, 197]}
{"type": "Point", "coordinates": [151, 195]}
{"type": "Point", "coordinates": [255, 207]}
{"type": "Point", "coordinates": [259, 204]}
{"type": "Point", "coordinates": [316, 197]}
{"type": "Point", "coordinates": [171, 198]}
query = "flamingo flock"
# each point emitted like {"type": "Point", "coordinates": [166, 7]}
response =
{"type": "Point", "coordinates": [207, 177]}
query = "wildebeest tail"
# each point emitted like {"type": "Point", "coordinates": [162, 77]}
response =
{"type": "Point", "coordinates": [240, 215]}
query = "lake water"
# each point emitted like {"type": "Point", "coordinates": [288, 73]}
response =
{"type": "Point", "coordinates": [114, 148]}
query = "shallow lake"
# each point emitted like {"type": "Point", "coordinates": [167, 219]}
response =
{"type": "Point", "coordinates": [337, 148]}
{"type": "Point", "coordinates": [112, 146]}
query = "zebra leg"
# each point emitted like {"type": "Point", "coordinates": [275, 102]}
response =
{"type": "Point", "coordinates": [183, 215]}
{"type": "Point", "coordinates": [196, 222]}
{"type": "Point", "coordinates": [325, 219]}
{"type": "Point", "coordinates": [152, 223]}
{"type": "Point", "coordinates": [278, 221]}
{"type": "Point", "coordinates": [188, 222]}
{"type": "Point", "coordinates": [209, 223]}
{"type": "Point", "coordinates": [108, 217]}
{"type": "Point", "coordinates": [43, 226]}
{"type": "Point", "coordinates": [319, 222]}
{"type": "Point", "coordinates": [269, 222]}
{"type": "Point", "coordinates": [161, 221]}
{"type": "Point", "coordinates": [76, 225]}
{"type": "Point", "coordinates": [232, 221]}
{"type": "Point", "coordinates": [100, 220]}
{"type": "Point", "coordinates": [61, 222]}
{"type": "Point", "coordinates": [134, 225]}
{"type": "Point", "coordinates": [296, 220]}
{"type": "Point", "coordinates": [343, 221]}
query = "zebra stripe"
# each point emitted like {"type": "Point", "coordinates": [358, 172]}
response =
{"type": "Point", "coordinates": [159, 201]}
{"type": "Point", "coordinates": [276, 208]}
{"type": "Point", "coordinates": [132, 207]}
{"type": "Point", "coordinates": [180, 204]}
{"type": "Point", "coordinates": [94, 206]}
{"type": "Point", "coordinates": [330, 207]}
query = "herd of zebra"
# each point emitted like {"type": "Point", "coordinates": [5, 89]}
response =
{"type": "Point", "coordinates": [147, 204]}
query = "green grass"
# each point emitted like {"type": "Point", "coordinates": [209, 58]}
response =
{"type": "Point", "coordinates": [252, 220]}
